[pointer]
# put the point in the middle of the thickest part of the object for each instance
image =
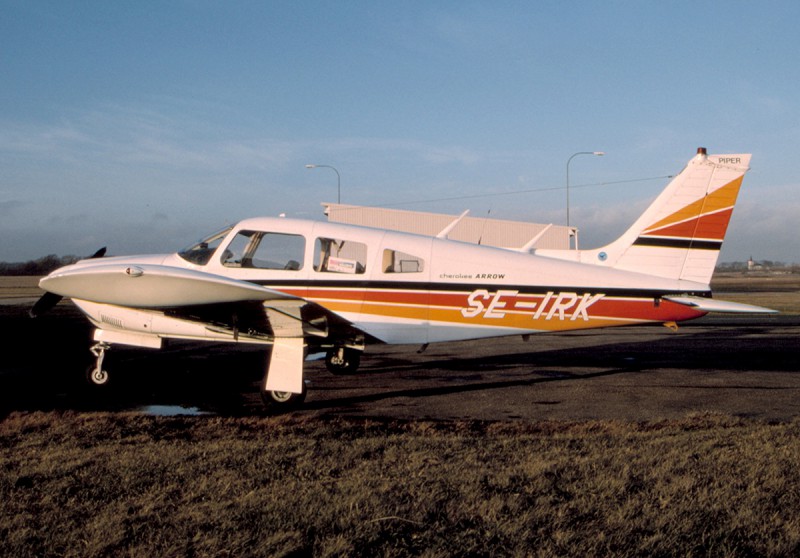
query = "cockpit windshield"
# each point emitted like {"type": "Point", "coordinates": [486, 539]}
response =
{"type": "Point", "coordinates": [200, 253]}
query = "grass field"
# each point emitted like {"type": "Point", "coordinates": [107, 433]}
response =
{"type": "Point", "coordinates": [129, 485]}
{"type": "Point", "coordinates": [779, 292]}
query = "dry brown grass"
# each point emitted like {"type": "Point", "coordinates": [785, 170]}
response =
{"type": "Point", "coordinates": [120, 484]}
{"type": "Point", "coordinates": [779, 292]}
{"type": "Point", "coordinates": [13, 289]}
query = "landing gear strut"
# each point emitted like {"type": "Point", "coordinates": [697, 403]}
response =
{"type": "Point", "coordinates": [95, 374]}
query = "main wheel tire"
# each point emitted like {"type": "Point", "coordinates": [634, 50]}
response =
{"type": "Point", "coordinates": [283, 399]}
{"type": "Point", "coordinates": [347, 363]}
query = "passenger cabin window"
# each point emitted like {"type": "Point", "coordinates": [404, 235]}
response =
{"type": "Point", "coordinates": [265, 250]}
{"type": "Point", "coordinates": [333, 255]}
{"type": "Point", "coordinates": [395, 261]}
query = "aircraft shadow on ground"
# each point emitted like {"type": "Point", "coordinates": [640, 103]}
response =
{"type": "Point", "coordinates": [720, 349]}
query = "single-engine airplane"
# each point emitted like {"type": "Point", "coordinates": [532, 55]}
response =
{"type": "Point", "coordinates": [308, 286]}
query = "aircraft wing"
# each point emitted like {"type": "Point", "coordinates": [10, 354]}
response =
{"type": "Point", "coordinates": [152, 286]}
{"type": "Point", "coordinates": [714, 305]}
{"type": "Point", "coordinates": [222, 302]}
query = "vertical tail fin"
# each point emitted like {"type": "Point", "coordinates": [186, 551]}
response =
{"type": "Point", "coordinates": [679, 236]}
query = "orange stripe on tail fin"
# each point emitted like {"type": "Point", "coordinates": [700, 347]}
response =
{"type": "Point", "coordinates": [706, 219]}
{"type": "Point", "coordinates": [679, 236]}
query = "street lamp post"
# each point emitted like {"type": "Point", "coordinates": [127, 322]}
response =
{"type": "Point", "coordinates": [338, 179]}
{"type": "Point", "coordinates": [598, 153]}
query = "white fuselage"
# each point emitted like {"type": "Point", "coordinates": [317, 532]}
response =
{"type": "Point", "coordinates": [395, 287]}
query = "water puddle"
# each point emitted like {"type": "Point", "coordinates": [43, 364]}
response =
{"type": "Point", "coordinates": [172, 411]}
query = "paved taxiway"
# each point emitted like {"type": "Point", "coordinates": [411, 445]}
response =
{"type": "Point", "coordinates": [740, 366]}
{"type": "Point", "coordinates": [747, 366]}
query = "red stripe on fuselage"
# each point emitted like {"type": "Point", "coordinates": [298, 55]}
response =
{"type": "Point", "coordinates": [499, 307]}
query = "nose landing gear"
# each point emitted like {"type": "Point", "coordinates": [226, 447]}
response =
{"type": "Point", "coordinates": [95, 374]}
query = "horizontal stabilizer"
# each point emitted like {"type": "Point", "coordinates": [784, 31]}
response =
{"type": "Point", "coordinates": [712, 305]}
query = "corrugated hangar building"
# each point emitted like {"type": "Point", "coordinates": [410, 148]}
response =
{"type": "Point", "coordinates": [476, 230]}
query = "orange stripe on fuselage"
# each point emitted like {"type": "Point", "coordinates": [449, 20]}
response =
{"type": "Point", "coordinates": [499, 308]}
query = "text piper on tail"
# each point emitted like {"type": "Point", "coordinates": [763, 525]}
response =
{"type": "Point", "coordinates": [304, 286]}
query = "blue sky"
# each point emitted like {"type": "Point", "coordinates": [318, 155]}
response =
{"type": "Point", "coordinates": [144, 125]}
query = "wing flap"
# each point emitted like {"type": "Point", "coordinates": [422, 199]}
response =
{"type": "Point", "coordinates": [286, 319]}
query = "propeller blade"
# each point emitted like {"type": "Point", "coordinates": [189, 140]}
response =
{"type": "Point", "coordinates": [44, 304]}
{"type": "Point", "coordinates": [99, 254]}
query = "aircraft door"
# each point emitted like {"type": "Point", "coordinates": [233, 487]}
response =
{"type": "Point", "coordinates": [340, 275]}
{"type": "Point", "coordinates": [404, 297]}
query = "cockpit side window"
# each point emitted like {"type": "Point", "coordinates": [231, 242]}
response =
{"type": "Point", "coordinates": [200, 253]}
{"type": "Point", "coordinates": [265, 250]}
{"type": "Point", "coordinates": [334, 255]}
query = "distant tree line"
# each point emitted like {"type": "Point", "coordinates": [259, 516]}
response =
{"type": "Point", "coordinates": [759, 265]}
{"type": "Point", "coordinates": [42, 266]}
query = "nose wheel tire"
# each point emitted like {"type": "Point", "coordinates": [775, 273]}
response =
{"type": "Point", "coordinates": [97, 376]}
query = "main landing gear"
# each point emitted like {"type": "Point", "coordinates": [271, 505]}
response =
{"type": "Point", "coordinates": [342, 360]}
{"type": "Point", "coordinates": [283, 399]}
{"type": "Point", "coordinates": [338, 360]}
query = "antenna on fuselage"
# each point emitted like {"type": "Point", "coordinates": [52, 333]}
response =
{"type": "Point", "coordinates": [483, 229]}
